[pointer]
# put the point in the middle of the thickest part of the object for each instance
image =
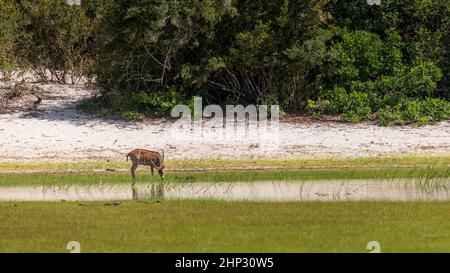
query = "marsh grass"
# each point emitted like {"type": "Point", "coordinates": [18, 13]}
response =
{"type": "Point", "coordinates": [236, 164]}
{"type": "Point", "coordinates": [433, 181]}
{"type": "Point", "coordinates": [424, 176]}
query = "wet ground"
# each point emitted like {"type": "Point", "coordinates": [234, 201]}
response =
{"type": "Point", "coordinates": [335, 190]}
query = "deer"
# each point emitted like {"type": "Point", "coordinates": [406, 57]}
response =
{"type": "Point", "coordinates": [146, 158]}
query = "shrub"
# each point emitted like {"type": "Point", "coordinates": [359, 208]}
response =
{"type": "Point", "coordinates": [353, 107]}
{"type": "Point", "coordinates": [435, 109]}
{"type": "Point", "coordinates": [227, 51]}
{"type": "Point", "coordinates": [57, 37]}
{"type": "Point", "coordinates": [131, 115]}
{"type": "Point", "coordinates": [154, 103]}
{"type": "Point", "coordinates": [363, 56]}
{"type": "Point", "coordinates": [10, 19]}
{"type": "Point", "coordinates": [425, 25]}
{"type": "Point", "coordinates": [15, 91]}
{"type": "Point", "coordinates": [421, 112]}
{"type": "Point", "coordinates": [422, 80]}
{"type": "Point", "coordinates": [357, 107]}
{"type": "Point", "coordinates": [368, 72]}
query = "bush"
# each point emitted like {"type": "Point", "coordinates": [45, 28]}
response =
{"type": "Point", "coordinates": [422, 80]}
{"type": "Point", "coordinates": [422, 112]}
{"type": "Point", "coordinates": [15, 91]}
{"type": "Point", "coordinates": [354, 106]}
{"type": "Point", "coordinates": [424, 25]}
{"type": "Point", "coordinates": [367, 73]}
{"type": "Point", "coordinates": [357, 107]}
{"type": "Point", "coordinates": [363, 56]}
{"type": "Point", "coordinates": [131, 115]}
{"type": "Point", "coordinates": [395, 52]}
{"type": "Point", "coordinates": [226, 51]}
{"type": "Point", "coordinates": [154, 103]}
{"type": "Point", "coordinates": [10, 19]}
{"type": "Point", "coordinates": [57, 37]}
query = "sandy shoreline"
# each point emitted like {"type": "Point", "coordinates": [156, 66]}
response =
{"type": "Point", "coordinates": [56, 131]}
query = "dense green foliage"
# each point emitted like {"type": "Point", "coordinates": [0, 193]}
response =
{"type": "Point", "coordinates": [392, 60]}
{"type": "Point", "coordinates": [59, 37]}
{"type": "Point", "coordinates": [157, 53]}
{"type": "Point", "coordinates": [389, 63]}
{"type": "Point", "coordinates": [9, 15]}
{"type": "Point", "coordinates": [47, 36]}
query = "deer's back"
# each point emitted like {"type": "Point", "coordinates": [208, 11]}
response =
{"type": "Point", "coordinates": [145, 157]}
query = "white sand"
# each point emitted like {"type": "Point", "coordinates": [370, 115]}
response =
{"type": "Point", "coordinates": [56, 131]}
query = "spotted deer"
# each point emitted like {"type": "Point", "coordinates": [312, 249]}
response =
{"type": "Point", "coordinates": [146, 158]}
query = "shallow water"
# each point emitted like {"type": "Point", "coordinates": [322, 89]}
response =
{"type": "Point", "coordinates": [334, 190]}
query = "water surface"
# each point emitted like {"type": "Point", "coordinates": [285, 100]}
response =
{"type": "Point", "coordinates": [334, 190]}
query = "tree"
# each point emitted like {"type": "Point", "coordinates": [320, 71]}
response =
{"type": "Point", "coordinates": [156, 52]}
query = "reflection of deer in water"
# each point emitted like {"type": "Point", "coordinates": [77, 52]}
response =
{"type": "Point", "coordinates": [146, 158]}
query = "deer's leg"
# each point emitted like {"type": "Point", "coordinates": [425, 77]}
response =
{"type": "Point", "coordinates": [133, 171]}
{"type": "Point", "coordinates": [134, 192]}
{"type": "Point", "coordinates": [133, 174]}
{"type": "Point", "coordinates": [152, 169]}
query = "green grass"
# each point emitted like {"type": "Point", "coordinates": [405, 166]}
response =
{"type": "Point", "coordinates": [209, 170]}
{"type": "Point", "coordinates": [227, 164]}
{"type": "Point", "coordinates": [210, 226]}
{"type": "Point", "coordinates": [95, 178]}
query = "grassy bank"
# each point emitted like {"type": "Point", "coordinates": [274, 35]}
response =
{"type": "Point", "coordinates": [238, 164]}
{"type": "Point", "coordinates": [206, 226]}
{"type": "Point", "coordinates": [180, 171]}
{"type": "Point", "coordinates": [96, 178]}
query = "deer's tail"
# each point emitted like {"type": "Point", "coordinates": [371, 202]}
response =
{"type": "Point", "coordinates": [128, 155]}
